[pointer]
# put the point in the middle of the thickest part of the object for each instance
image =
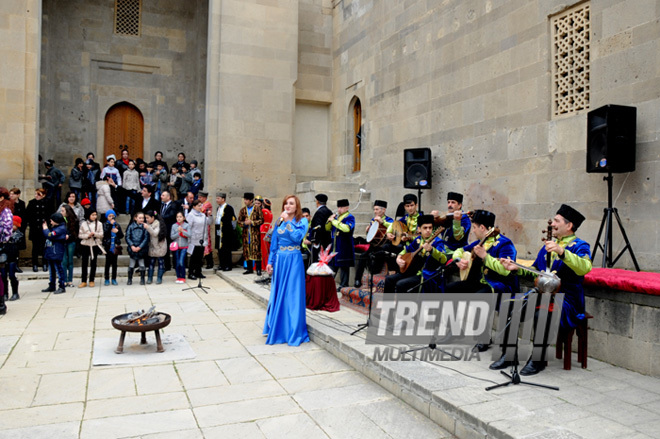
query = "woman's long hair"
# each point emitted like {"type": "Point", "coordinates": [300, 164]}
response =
{"type": "Point", "coordinates": [6, 202]}
{"type": "Point", "coordinates": [71, 221]}
{"type": "Point", "coordinates": [162, 232]}
{"type": "Point", "coordinates": [298, 206]}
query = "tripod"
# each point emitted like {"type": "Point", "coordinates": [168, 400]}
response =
{"type": "Point", "coordinates": [514, 377]}
{"type": "Point", "coordinates": [432, 344]}
{"type": "Point", "coordinates": [201, 243]}
{"type": "Point", "coordinates": [606, 222]}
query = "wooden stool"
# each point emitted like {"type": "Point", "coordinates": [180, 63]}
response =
{"type": "Point", "coordinates": [565, 341]}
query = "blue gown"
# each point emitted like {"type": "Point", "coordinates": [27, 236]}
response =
{"type": "Point", "coordinates": [285, 318]}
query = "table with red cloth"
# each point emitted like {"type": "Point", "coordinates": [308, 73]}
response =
{"type": "Point", "coordinates": [321, 293]}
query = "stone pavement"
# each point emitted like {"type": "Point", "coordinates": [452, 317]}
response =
{"type": "Point", "coordinates": [235, 387]}
{"type": "Point", "coordinates": [600, 402]}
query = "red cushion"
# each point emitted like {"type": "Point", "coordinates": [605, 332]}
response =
{"type": "Point", "coordinates": [624, 280]}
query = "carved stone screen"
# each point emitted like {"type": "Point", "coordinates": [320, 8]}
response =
{"type": "Point", "coordinates": [127, 17]}
{"type": "Point", "coordinates": [570, 66]}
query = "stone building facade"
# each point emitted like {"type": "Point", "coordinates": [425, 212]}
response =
{"type": "Point", "coordinates": [275, 92]}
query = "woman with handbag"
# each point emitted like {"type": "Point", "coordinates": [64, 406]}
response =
{"type": "Point", "coordinates": [91, 237]}
{"type": "Point", "coordinates": [112, 236]}
{"type": "Point", "coordinates": [179, 235]}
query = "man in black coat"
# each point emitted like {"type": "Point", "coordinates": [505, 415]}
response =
{"type": "Point", "coordinates": [38, 211]}
{"type": "Point", "coordinates": [319, 237]}
{"type": "Point", "coordinates": [168, 210]}
{"type": "Point", "coordinates": [146, 202]}
{"type": "Point", "coordinates": [225, 238]}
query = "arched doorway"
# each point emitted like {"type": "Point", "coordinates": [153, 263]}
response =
{"type": "Point", "coordinates": [356, 137]}
{"type": "Point", "coordinates": [124, 125]}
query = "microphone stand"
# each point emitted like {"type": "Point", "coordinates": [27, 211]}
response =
{"type": "Point", "coordinates": [201, 242]}
{"type": "Point", "coordinates": [432, 344]}
{"type": "Point", "coordinates": [514, 377]}
{"type": "Point", "coordinates": [371, 295]}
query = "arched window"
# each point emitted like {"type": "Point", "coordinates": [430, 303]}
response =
{"type": "Point", "coordinates": [124, 125]}
{"type": "Point", "coordinates": [356, 134]}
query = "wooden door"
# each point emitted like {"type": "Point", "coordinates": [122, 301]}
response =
{"type": "Point", "coordinates": [357, 140]}
{"type": "Point", "coordinates": [124, 125]}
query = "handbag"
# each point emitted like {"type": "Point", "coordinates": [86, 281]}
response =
{"type": "Point", "coordinates": [174, 246]}
{"type": "Point", "coordinates": [118, 250]}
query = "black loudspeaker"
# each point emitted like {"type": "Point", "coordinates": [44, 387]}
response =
{"type": "Point", "coordinates": [417, 173]}
{"type": "Point", "coordinates": [611, 132]}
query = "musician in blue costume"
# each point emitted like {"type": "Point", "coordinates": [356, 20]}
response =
{"type": "Point", "coordinates": [487, 274]}
{"type": "Point", "coordinates": [374, 255]}
{"type": "Point", "coordinates": [409, 219]}
{"type": "Point", "coordinates": [422, 274]}
{"type": "Point", "coordinates": [571, 260]}
{"type": "Point", "coordinates": [285, 319]}
{"type": "Point", "coordinates": [341, 227]}
{"type": "Point", "coordinates": [457, 235]}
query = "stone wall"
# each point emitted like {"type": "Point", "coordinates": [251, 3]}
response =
{"type": "Point", "coordinates": [86, 68]}
{"type": "Point", "coordinates": [471, 80]}
{"type": "Point", "coordinates": [253, 65]}
{"type": "Point", "coordinates": [19, 97]}
{"type": "Point", "coordinates": [624, 330]}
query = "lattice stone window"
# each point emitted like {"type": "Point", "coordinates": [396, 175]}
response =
{"type": "Point", "coordinates": [127, 17]}
{"type": "Point", "coordinates": [570, 56]}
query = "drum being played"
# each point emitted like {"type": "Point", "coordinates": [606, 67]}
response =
{"type": "Point", "coordinates": [376, 234]}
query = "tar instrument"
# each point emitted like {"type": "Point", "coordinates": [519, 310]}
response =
{"type": "Point", "coordinates": [408, 257]}
{"type": "Point", "coordinates": [400, 231]}
{"type": "Point", "coordinates": [446, 220]}
{"type": "Point", "coordinates": [546, 281]}
{"type": "Point", "coordinates": [377, 233]}
{"type": "Point", "coordinates": [472, 268]}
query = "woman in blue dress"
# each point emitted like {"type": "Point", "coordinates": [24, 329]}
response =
{"type": "Point", "coordinates": [285, 318]}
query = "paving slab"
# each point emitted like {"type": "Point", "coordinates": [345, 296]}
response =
{"type": "Point", "coordinates": [601, 401]}
{"type": "Point", "coordinates": [234, 386]}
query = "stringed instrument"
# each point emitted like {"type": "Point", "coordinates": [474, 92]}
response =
{"type": "Point", "coordinates": [400, 231]}
{"type": "Point", "coordinates": [409, 257]}
{"type": "Point", "coordinates": [473, 268]}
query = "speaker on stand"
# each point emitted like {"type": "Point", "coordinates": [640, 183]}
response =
{"type": "Point", "coordinates": [611, 148]}
{"type": "Point", "coordinates": [417, 171]}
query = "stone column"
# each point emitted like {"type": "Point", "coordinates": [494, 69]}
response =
{"type": "Point", "coordinates": [252, 69]}
{"type": "Point", "coordinates": [20, 47]}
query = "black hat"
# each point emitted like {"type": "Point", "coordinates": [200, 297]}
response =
{"type": "Point", "coordinates": [571, 215]}
{"type": "Point", "coordinates": [342, 203]}
{"type": "Point", "coordinates": [409, 198]}
{"type": "Point", "coordinates": [381, 203]}
{"type": "Point", "coordinates": [194, 162]}
{"type": "Point", "coordinates": [57, 218]}
{"type": "Point", "coordinates": [455, 196]}
{"type": "Point", "coordinates": [221, 194]}
{"type": "Point", "coordinates": [248, 196]}
{"type": "Point", "coordinates": [49, 163]}
{"type": "Point", "coordinates": [424, 219]}
{"type": "Point", "coordinates": [322, 198]}
{"type": "Point", "coordinates": [484, 217]}
{"type": "Point", "coordinates": [203, 194]}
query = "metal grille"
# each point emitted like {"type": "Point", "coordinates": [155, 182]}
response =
{"type": "Point", "coordinates": [570, 53]}
{"type": "Point", "coordinates": [127, 17]}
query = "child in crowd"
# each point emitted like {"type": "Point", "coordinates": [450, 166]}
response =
{"type": "Point", "coordinates": [174, 183]}
{"type": "Point", "coordinates": [147, 177]}
{"type": "Point", "coordinates": [54, 252]}
{"type": "Point", "coordinates": [112, 236]}
{"type": "Point", "coordinates": [16, 242]}
{"type": "Point", "coordinates": [91, 236]}
{"type": "Point", "coordinates": [131, 185]}
{"type": "Point", "coordinates": [160, 178]}
{"type": "Point", "coordinates": [157, 245]}
{"type": "Point", "coordinates": [137, 239]}
{"type": "Point", "coordinates": [111, 171]}
{"type": "Point", "coordinates": [179, 234]}
{"type": "Point", "coordinates": [197, 184]}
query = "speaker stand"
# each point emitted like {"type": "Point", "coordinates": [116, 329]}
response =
{"type": "Point", "coordinates": [606, 223]}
